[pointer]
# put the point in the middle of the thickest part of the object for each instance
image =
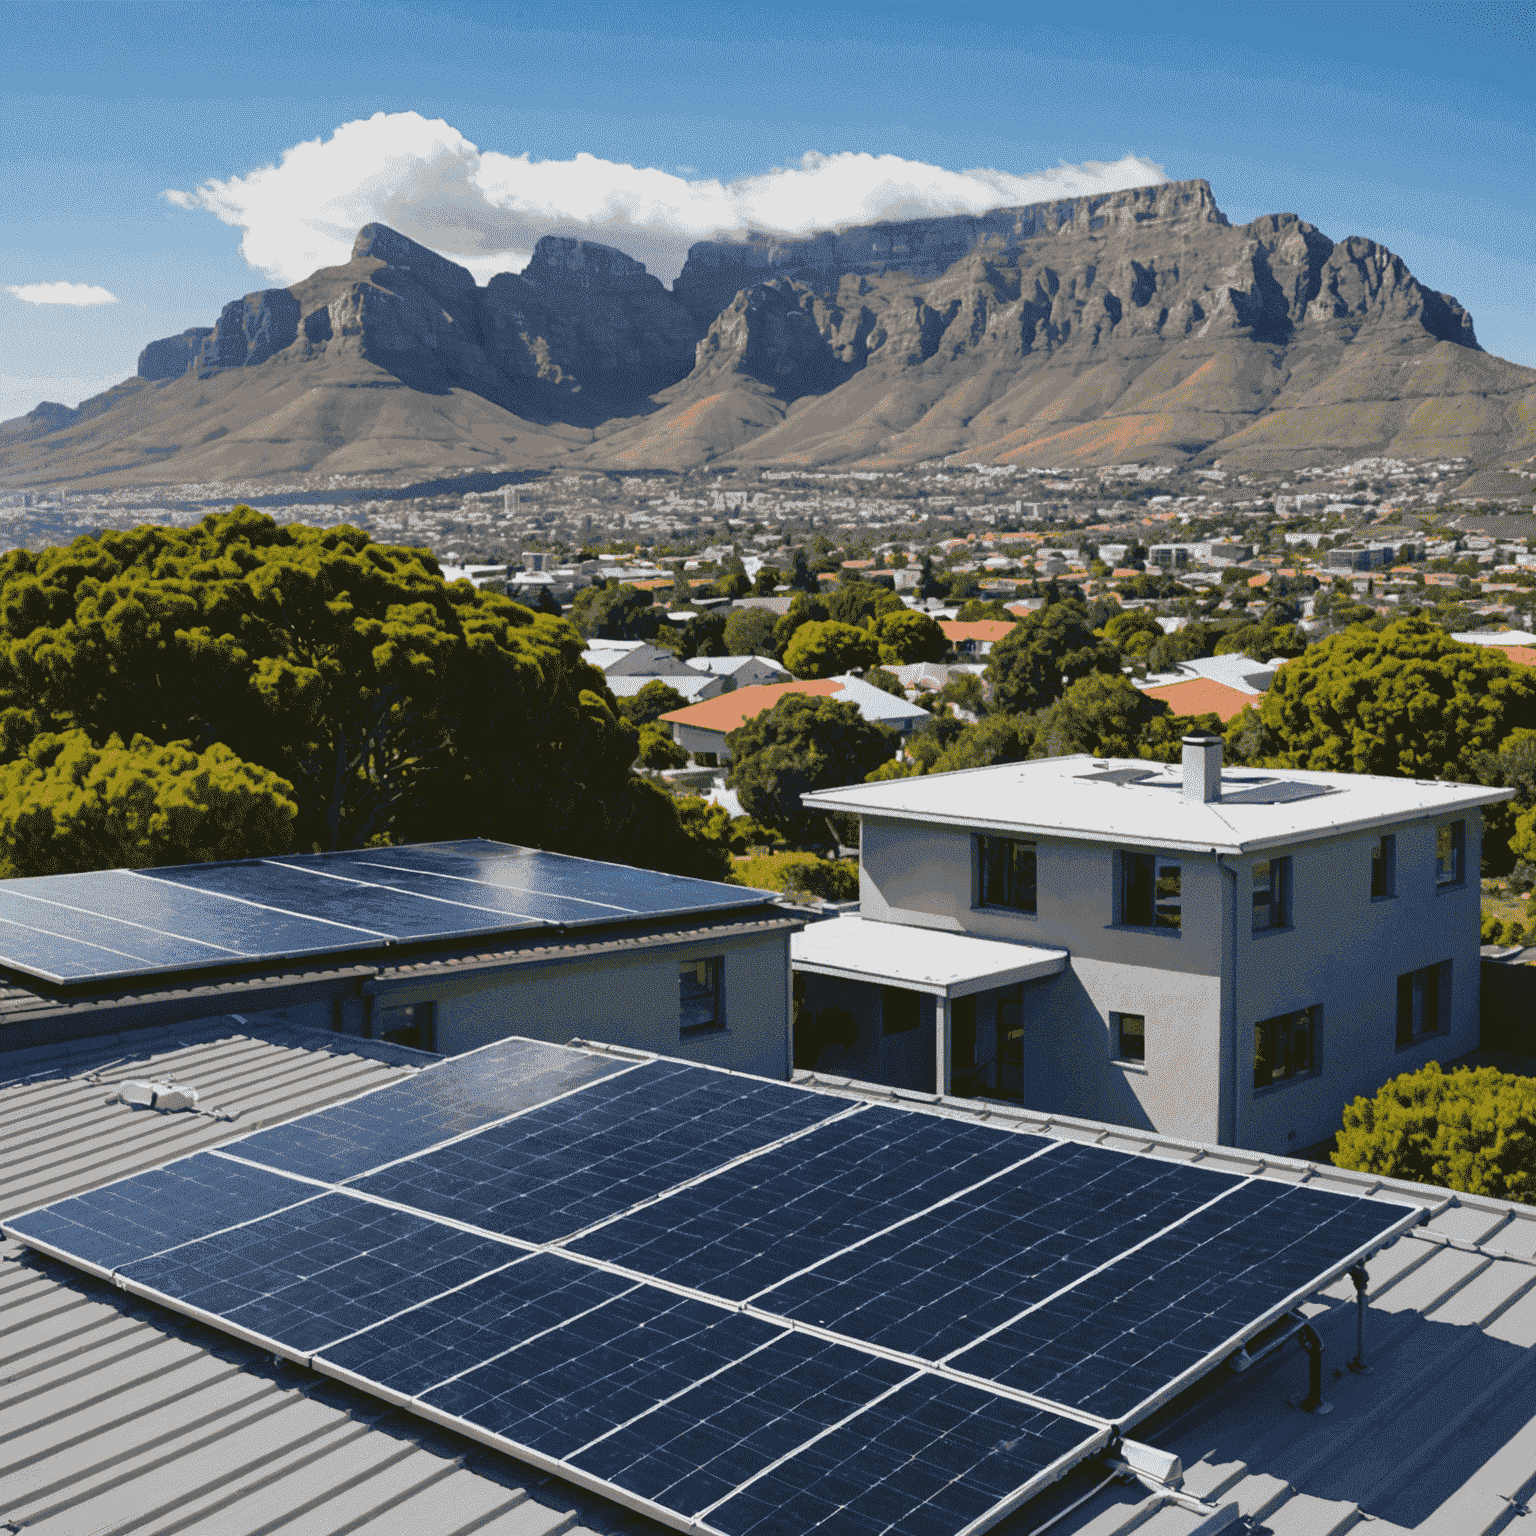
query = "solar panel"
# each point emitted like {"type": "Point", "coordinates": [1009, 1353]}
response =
{"type": "Point", "coordinates": [746, 1228]}
{"type": "Point", "coordinates": [557, 1169]}
{"type": "Point", "coordinates": [781, 1310]}
{"type": "Point", "coordinates": [127, 1220]}
{"type": "Point", "coordinates": [74, 929]}
{"type": "Point", "coordinates": [443, 1101]}
{"type": "Point", "coordinates": [1281, 793]}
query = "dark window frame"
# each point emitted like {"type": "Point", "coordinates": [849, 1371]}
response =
{"type": "Point", "coordinates": [1457, 831]}
{"type": "Point", "coordinates": [1293, 1049]}
{"type": "Point", "coordinates": [418, 1019]}
{"type": "Point", "coordinates": [692, 1019]}
{"type": "Point", "coordinates": [1133, 1047]}
{"type": "Point", "coordinates": [1277, 894]}
{"type": "Point", "coordinates": [1384, 863]}
{"type": "Point", "coordinates": [1423, 996]}
{"type": "Point", "coordinates": [1143, 900]}
{"type": "Point", "coordinates": [1008, 874]}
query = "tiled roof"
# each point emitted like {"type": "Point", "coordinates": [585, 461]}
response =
{"type": "Point", "coordinates": [1203, 696]}
{"type": "Point", "coordinates": [732, 709]}
{"type": "Point", "coordinates": [978, 629]}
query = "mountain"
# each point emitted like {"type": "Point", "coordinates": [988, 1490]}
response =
{"type": "Point", "coordinates": [1140, 325]}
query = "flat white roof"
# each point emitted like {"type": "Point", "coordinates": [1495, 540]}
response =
{"type": "Point", "coordinates": [919, 959]}
{"type": "Point", "coordinates": [1073, 797]}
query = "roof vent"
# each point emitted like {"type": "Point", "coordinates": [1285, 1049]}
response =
{"type": "Point", "coordinates": [1202, 769]}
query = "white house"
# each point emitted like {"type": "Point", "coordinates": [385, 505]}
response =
{"type": "Point", "coordinates": [1229, 955]}
{"type": "Point", "coordinates": [741, 671]}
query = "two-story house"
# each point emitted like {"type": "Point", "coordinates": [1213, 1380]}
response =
{"type": "Point", "coordinates": [1228, 954]}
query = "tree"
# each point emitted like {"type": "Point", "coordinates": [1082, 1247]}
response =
{"type": "Point", "coordinates": [749, 632]}
{"type": "Point", "coordinates": [974, 610]}
{"type": "Point", "coordinates": [654, 700]}
{"type": "Point", "coordinates": [1263, 641]}
{"type": "Point", "coordinates": [855, 601]}
{"type": "Point", "coordinates": [615, 611]}
{"type": "Point", "coordinates": [1407, 699]}
{"type": "Point", "coordinates": [804, 608]}
{"type": "Point", "coordinates": [886, 682]}
{"type": "Point", "coordinates": [702, 635]}
{"type": "Point", "coordinates": [929, 585]}
{"type": "Point", "coordinates": [1133, 631]}
{"type": "Point", "coordinates": [965, 690]}
{"type": "Point", "coordinates": [829, 650]}
{"type": "Point", "coordinates": [67, 805]}
{"type": "Point", "coordinates": [657, 750]}
{"type": "Point", "coordinates": [995, 739]}
{"type": "Point", "coordinates": [962, 585]}
{"type": "Point", "coordinates": [905, 637]}
{"type": "Point", "coordinates": [1031, 666]}
{"type": "Point", "coordinates": [1471, 1129]}
{"type": "Point", "coordinates": [1105, 715]}
{"type": "Point", "coordinates": [397, 707]}
{"type": "Point", "coordinates": [766, 582]}
{"type": "Point", "coordinates": [801, 578]}
{"type": "Point", "coordinates": [805, 742]}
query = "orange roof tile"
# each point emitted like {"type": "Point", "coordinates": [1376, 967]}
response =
{"type": "Point", "coordinates": [725, 712]}
{"type": "Point", "coordinates": [1261, 580]}
{"type": "Point", "coordinates": [1202, 696]}
{"type": "Point", "coordinates": [976, 629]}
{"type": "Point", "coordinates": [1525, 655]}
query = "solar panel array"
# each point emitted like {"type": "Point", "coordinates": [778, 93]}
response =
{"type": "Point", "coordinates": [73, 930]}
{"type": "Point", "coordinates": [738, 1306]}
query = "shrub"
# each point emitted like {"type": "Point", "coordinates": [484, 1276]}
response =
{"type": "Point", "coordinates": [800, 875]}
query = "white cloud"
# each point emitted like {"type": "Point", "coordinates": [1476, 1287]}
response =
{"type": "Point", "coordinates": [486, 209]}
{"type": "Point", "coordinates": [61, 293]}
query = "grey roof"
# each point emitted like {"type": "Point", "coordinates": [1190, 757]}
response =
{"type": "Point", "coordinates": [121, 1416]}
{"type": "Point", "coordinates": [1439, 1439]}
{"type": "Point", "coordinates": [31, 1016]}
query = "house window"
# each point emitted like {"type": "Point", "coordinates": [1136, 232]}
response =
{"type": "Point", "coordinates": [698, 996]}
{"type": "Point", "coordinates": [1285, 1047]}
{"type": "Point", "coordinates": [1383, 868]}
{"type": "Point", "coordinates": [1007, 872]}
{"type": "Point", "coordinates": [1150, 891]}
{"type": "Point", "coordinates": [1423, 1002]}
{"type": "Point", "coordinates": [1271, 894]}
{"type": "Point", "coordinates": [415, 1026]}
{"type": "Point", "coordinates": [1450, 853]}
{"type": "Point", "coordinates": [1130, 1036]}
{"type": "Point", "coordinates": [900, 1010]}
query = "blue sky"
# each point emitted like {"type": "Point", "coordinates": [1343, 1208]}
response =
{"type": "Point", "coordinates": [1409, 124]}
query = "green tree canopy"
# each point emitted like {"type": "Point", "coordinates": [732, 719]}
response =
{"type": "Point", "coordinates": [749, 632]}
{"type": "Point", "coordinates": [996, 739]}
{"type": "Point", "coordinates": [804, 608]}
{"type": "Point", "coordinates": [614, 611]}
{"type": "Point", "coordinates": [974, 610]}
{"type": "Point", "coordinates": [656, 699]}
{"type": "Point", "coordinates": [702, 635]}
{"type": "Point", "coordinates": [657, 750]}
{"type": "Point", "coordinates": [1407, 699]}
{"type": "Point", "coordinates": [801, 577]}
{"type": "Point", "coordinates": [886, 682]}
{"type": "Point", "coordinates": [1133, 631]}
{"type": "Point", "coordinates": [1031, 666]}
{"type": "Point", "coordinates": [67, 805]}
{"type": "Point", "coordinates": [905, 636]}
{"type": "Point", "coordinates": [1107, 715]}
{"type": "Point", "coordinates": [395, 706]}
{"type": "Point", "coordinates": [1262, 641]}
{"type": "Point", "coordinates": [830, 650]}
{"type": "Point", "coordinates": [1472, 1130]}
{"type": "Point", "coordinates": [805, 742]}
{"type": "Point", "coordinates": [855, 601]}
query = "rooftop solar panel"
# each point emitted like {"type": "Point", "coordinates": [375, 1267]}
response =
{"type": "Point", "coordinates": [939, 1316]}
{"type": "Point", "coordinates": [148, 1212]}
{"type": "Point", "coordinates": [559, 1168]}
{"type": "Point", "coordinates": [75, 929]}
{"type": "Point", "coordinates": [439, 1103]}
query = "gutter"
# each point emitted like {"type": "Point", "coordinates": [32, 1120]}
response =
{"type": "Point", "coordinates": [1237, 1077]}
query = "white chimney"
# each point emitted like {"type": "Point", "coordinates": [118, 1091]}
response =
{"type": "Point", "coordinates": [1202, 768]}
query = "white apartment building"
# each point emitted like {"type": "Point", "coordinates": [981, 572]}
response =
{"type": "Point", "coordinates": [1225, 954]}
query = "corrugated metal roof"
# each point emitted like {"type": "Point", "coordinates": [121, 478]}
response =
{"type": "Point", "coordinates": [116, 1415]}
{"type": "Point", "coordinates": [1439, 1439]}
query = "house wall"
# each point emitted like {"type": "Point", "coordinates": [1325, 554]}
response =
{"type": "Point", "coordinates": [1202, 990]}
{"type": "Point", "coordinates": [628, 999]}
{"type": "Point", "coordinates": [693, 741]}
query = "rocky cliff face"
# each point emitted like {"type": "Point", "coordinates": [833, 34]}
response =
{"type": "Point", "coordinates": [582, 331]}
{"type": "Point", "coordinates": [1139, 325]}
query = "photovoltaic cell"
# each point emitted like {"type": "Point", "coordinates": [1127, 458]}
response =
{"type": "Point", "coordinates": [747, 1228]}
{"type": "Point", "coordinates": [310, 1275]}
{"type": "Point", "coordinates": [560, 1168]}
{"type": "Point", "coordinates": [1122, 1335]}
{"type": "Point", "coordinates": [425, 1347]}
{"type": "Point", "coordinates": [958, 1271]}
{"type": "Point", "coordinates": [563, 1389]}
{"type": "Point", "coordinates": [932, 1457]}
{"type": "Point", "coordinates": [441, 1101]}
{"type": "Point", "coordinates": [148, 1212]}
{"type": "Point", "coordinates": [692, 1452]}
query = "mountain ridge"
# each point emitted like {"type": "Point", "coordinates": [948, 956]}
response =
{"type": "Point", "coordinates": [1131, 324]}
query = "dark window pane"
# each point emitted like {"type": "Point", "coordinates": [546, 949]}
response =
{"type": "Point", "coordinates": [1285, 1047]}
{"type": "Point", "coordinates": [1169, 902]}
{"type": "Point", "coordinates": [698, 995]}
{"type": "Point", "coordinates": [1450, 848]}
{"type": "Point", "coordinates": [1133, 1037]}
{"type": "Point", "coordinates": [1136, 873]}
{"type": "Point", "coordinates": [1405, 1009]}
{"type": "Point", "coordinates": [1383, 861]}
{"type": "Point", "coordinates": [1023, 893]}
